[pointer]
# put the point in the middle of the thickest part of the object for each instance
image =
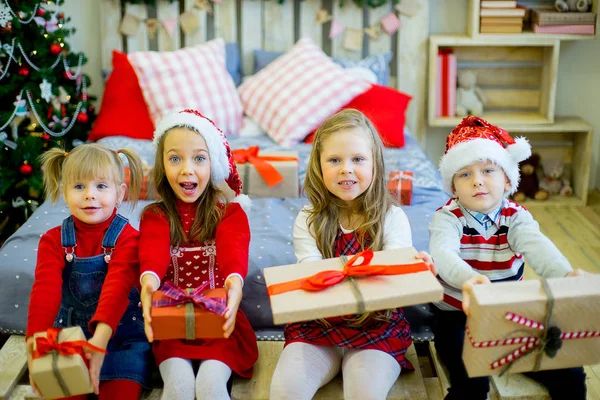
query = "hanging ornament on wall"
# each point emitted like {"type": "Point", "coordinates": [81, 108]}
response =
{"type": "Point", "coordinates": [373, 31]}
{"type": "Point", "coordinates": [189, 22]}
{"type": "Point", "coordinates": [203, 5]}
{"type": "Point", "coordinates": [129, 25]}
{"type": "Point", "coordinates": [336, 29]}
{"type": "Point", "coordinates": [353, 39]}
{"type": "Point", "coordinates": [390, 23]}
{"type": "Point", "coordinates": [322, 16]}
{"type": "Point", "coordinates": [410, 8]}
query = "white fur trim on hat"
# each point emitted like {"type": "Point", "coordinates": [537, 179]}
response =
{"type": "Point", "coordinates": [471, 151]}
{"type": "Point", "coordinates": [219, 164]}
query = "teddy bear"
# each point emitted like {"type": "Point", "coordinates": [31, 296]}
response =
{"type": "Point", "coordinates": [469, 98]}
{"type": "Point", "coordinates": [572, 5]}
{"type": "Point", "coordinates": [529, 183]}
{"type": "Point", "coordinates": [554, 180]}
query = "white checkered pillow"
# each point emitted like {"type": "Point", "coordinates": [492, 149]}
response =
{"type": "Point", "coordinates": [295, 93]}
{"type": "Point", "coordinates": [192, 77]}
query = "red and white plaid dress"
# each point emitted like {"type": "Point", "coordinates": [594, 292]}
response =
{"type": "Point", "coordinates": [392, 337]}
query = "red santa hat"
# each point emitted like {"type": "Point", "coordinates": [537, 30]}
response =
{"type": "Point", "coordinates": [222, 164]}
{"type": "Point", "coordinates": [475, 139]}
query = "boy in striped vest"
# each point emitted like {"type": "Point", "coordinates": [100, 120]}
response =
{"type": "Point", "coordinates": [480, 236]}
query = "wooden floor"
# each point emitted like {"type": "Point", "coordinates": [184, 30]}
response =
{"type": "Point", "coordinates": [576, 232]}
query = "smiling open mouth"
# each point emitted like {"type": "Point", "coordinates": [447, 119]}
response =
{"type": "Point", "coordinates": [188, 187]}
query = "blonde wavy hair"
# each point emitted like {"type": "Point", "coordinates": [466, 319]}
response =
{"type": "Point", "coordinates": [90, 161]}
{"type": "Point", "coordinates": [372, 205]}
{"type": "Point", "coordinates": [210, 205]}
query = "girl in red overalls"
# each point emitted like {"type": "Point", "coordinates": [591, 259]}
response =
{"type": "Point", "coordinates": [191, 237]}
{"type": "Point", "coordinates": [350, 210]}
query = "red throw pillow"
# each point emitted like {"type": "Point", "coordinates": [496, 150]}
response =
{"type": "Point", "coordinates": [386, 108]}
{"type": "Point", "coordinates": [123, 111]}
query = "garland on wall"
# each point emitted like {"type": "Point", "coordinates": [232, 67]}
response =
{"type": "Point", "coordinates": [359, 3]}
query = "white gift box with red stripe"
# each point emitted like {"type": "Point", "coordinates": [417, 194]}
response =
{"type": "Point", "coordinates": [446, 83]}
{"type": "Point", "coordinates": [531, 325]}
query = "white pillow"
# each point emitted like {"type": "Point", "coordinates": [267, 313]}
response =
{"type": "Point", "coordinates": [294, 94]}
{"type": "Point", "coordinates": [192, 77]}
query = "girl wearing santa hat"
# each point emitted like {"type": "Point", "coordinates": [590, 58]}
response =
{"type": "Point", "coordinates": [350, 210]}
{"type": "Point", "coordinates": [192, 236]}
{"type": "Point", "coordinates": [479, 237]}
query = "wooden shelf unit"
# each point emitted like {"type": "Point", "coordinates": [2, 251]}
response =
{"type": "Point", "coordinates": [473, 27]}
{"type": "Point", "coordinates": [517, 77]}
{"type": "Point", "coordinates": [569, 139]}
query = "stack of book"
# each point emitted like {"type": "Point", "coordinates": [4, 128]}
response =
{"type": "Point", "coordinates": [554, 22]}
{"type": "Point", "coordinates": [501, 16]}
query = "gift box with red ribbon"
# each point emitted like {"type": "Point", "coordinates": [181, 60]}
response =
{"type": "Point", "coordinates": [369, 281]}
{"type": "Point", "coordinates": [268, 173]}
{"type": "Point", "coordinates": [400, 186]}
{"type": "Point", "coordinates": [179, 313]}
{"type": "Point", "coordinates": [59, 368]}
{"type": "Point", "coordinates": [533, 325]}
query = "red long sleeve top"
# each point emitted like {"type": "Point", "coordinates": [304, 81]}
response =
{"type": "Point", "coordinates": [122, 275]}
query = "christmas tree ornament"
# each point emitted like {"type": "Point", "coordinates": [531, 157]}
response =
{"type": "Point", "coordinates": [23, 71]}
{"type": "Point", "coordinates": [40, 12]}
{"type": "Point", "coordinates": [5, 15]}
{"type": "Point", "coordinates": [45, 137]}
{"type": "Point", "coordinates": [20, 106]}
{"type": "Point", "coordinates": [55, 49]}
{"type": "Point", "coordinates": [46, 88]}
{"type": "Point", "coordinates": [82, 118]}
{"type": "Point", "coordinates": [25, 168]}
{"type": "Point", "coordinates": [63, 96]}
{"type": "Point", "coordinates": [61, 16]}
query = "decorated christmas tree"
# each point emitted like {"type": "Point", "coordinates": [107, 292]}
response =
{"type": "Point", "coordinates": [43, 101]}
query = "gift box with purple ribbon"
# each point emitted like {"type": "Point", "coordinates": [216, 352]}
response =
{"type": "Point", "coordinates": [179, 313]}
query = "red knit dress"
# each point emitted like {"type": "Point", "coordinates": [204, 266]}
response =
{"type": "Point", "coordinates": [194, 263]}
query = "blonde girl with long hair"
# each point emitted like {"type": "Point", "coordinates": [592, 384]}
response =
{"type": "Point", "coordinates": [350, 210]}
{"type": "Point", "coordinates": [87, 268]}
{"type": "Point", "coordinates": [194, 236]}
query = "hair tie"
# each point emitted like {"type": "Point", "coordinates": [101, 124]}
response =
{"type": "Point", "coordinates": [118, 151]}
{"type": "Point", "coordinates": [66, 153]}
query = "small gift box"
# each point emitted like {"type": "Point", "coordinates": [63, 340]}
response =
{"type": "Point", "coordinates": [369, 281]}
{"type": "Point", "coordinates": [58, 367]}
{"type": "Point", "coordinates": [188, 314]}
{"type": "Point", "coordinates": [533, 325]}
{"type": "Point", "coordinates": [267, 173]}
{"type": "Point", "coordinates": [400, 186]}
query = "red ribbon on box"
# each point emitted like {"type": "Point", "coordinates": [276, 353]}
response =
{"type": "Point", "coordinates": [262, 163]}
{"type": "Point", "coordinates": [45, 345]}
{"type": "Point", "coordinates": [529, 342]}
{"type": "Point", "coordinates": [353, 268]}
{"type": "Point", "coordinates": [176, 296]}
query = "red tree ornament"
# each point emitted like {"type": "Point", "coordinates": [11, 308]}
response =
{"type": "Point", "coordinates": [40, 12]}
{"type": "Point", "coordinates": [23, 71]}
{"type": "Point", "coordinates": [25, 168]}
{"type": "Point", "coordinates": [45, 137]}
{"type": "Point", "coordinates": [82, 118]}
{"type": "Point", "coordinates": [55, 49]}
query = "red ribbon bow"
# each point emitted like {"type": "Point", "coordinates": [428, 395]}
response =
{"type": "Point", "coordinates": [262, 163]}
{"type": "Point", "coordinates": [353, 268]}
{"type": "Point", "coordinates": [45, 345]}
{"type": "Point", "coordinates": [175, 295]}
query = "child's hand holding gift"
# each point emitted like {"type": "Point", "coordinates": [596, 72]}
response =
{"type": "Point", "coordinates": [233, 284]}
{"type": "Point", "coordinates": [467, 289]}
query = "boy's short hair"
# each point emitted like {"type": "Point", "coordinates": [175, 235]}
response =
{"type": "Point", "coordinates": [475, 139]}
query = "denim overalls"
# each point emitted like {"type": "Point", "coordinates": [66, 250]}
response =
{"type": "Point", "coordinates": [129, 353]}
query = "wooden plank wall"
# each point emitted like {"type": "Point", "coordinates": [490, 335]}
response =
{"type": "Point", "coordinates": [269, 25]}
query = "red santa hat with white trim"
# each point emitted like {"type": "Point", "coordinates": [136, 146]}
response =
{"type": "Point", "coordinates": [222, 164]}
{"type": "Point", "coordinates": [475, 139]}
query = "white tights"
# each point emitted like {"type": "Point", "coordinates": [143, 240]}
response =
{"type": "Point", "coordinates": [303, 368]}
{"type": "Point", "coordinates": [180, 383]}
